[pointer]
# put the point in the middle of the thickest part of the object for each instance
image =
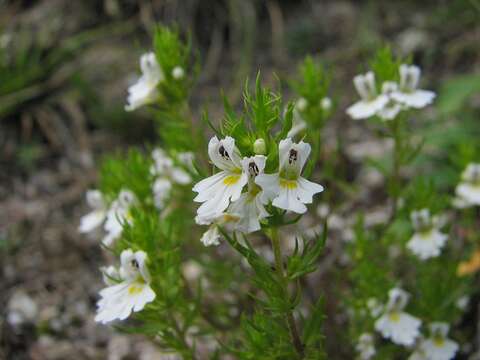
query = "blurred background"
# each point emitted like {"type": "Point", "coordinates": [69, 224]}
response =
{"type": "Point", "coordinates": [64, 70]}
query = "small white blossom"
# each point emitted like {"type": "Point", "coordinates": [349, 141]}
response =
{"type": "Point", "coordinates": [463, 302]}
{"type": "Point", "coordinates": [166, 173]}
{"type": "Point", "coordinates": [117, 215]}
{"type": "Point", "coordinates": [375, 307]}
{"type": "Point", "coordinates": [468, 190]}
{"type": "Point", "coordinates": [250, 206]}
{"type": "Point", "coordinates": [212, 235]}
{"type": "Point", "coordinates": [145, 91]}
{"type": "Point", "coordinates": [408, 94]}
{"type": "Point", "coordinates": [370, 101]}
{"type": "Point", "coordinates": [216, 191]}
{"type": "Point", "coordinates": [365, 346]}
{"type": "Point", "coordinates": [130, 293]}
{"type": "Point", "coordinates": [98, 214]}
{"type": "Point", "coordinates": [437, 346]}
{"type": "Point", "coordinates": [427, 241]}
{"type": "Point", "coordinates": [178, 73]}
{"type": "Point", "coordinates": [287, 189]}
{"type": "Point", "coordinates": [395, 324]}
{"type": "Point", "coordinates": [298, 123]}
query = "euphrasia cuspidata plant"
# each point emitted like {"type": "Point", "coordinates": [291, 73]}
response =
{"type": "Point", "coordinates": [387, 255]}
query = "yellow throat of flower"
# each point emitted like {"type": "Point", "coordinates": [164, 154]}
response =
{"type": "Point", "coordinates": [288, 184]}
{"type": "Point", "coordinates": [231, 180]}
{"type": "Point", "coordinates": [394, 316]}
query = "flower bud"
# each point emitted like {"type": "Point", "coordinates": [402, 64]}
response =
{"type": "Point", "coordinates": [326, 103]}
{"type": "Point", "coordinates": [178, 73]}
{"type": "Point", "coordinates": [301, 104]}
{"type": "Point", "coordinates": [259, 147]}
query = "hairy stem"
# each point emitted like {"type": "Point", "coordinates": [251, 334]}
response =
{"type": "Point", "coordinates": [395, 181]}
{"type": "Point", "coordinates": [292, 326]}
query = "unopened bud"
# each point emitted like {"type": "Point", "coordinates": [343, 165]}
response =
{"type": "Point", "coordinates": [301, 104]}
{"type": "Point", "coordinates": [178, 73]}
{"type": "Point", "coordinates": [259, 147]}
{"type": "Point", "coordinates": [326, 103]}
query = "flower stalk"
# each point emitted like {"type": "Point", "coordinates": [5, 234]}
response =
{"type": "Point", "coordinates": [292, 326]}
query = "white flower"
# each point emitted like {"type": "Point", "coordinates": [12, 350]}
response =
{"type": "Point", "coordinates": [145, 90]}
{"type": "Point", "coordinates": [437, 346]}
{"type": "Point", "coordinates": [395, 324]}
{"type": "Point", "coordinates": [117, 215]}
{"type": "Point", "coordinates": [215, 192]}
{"type": "Point", "coordinates": [392, 108]}
{"type": "Point", "coordinates": [164, 166]}
{"type": "Point", "coordinates": [212, 235]}
{"type": "Point", "coordinates": [298, 123]}
{"type": "Point", "coordinates": [250, 206]}
{"type": "Point", "coordinates": [178, 73]}
{"type": "Point", "coordinates": [166, 173]}
{"type": "Point", "coordinates": [98, 214]}
{"type": "Point", "coordinates": [365, 346]}
{"type": "Point", "coordinates": [375, 307]}
{"type": "Point", "coordinates": [161, 192]}
{"type": "Point", "coordinates": [131, 293]}
{"type": "Point", "coordinates": [463, 302]}
{"type": "Point", "coordinates": [408, 94]}
{"type": "Point", "coordinates": [370, 101]}
{"type": "Point", "coordinates": [111, 275]}
{"type": "Point", "coordinates": [287, 189]}
{"type": "Point", "coordinates": [427, 241]}
{"type": "Point", "coordinates": [468, 190]}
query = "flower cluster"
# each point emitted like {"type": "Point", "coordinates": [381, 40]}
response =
{"type": "Point", "coordinates": [401, 328]}
{"type": "Point", "coordinates": [166, 173]}
{"type": "Point", "coordinates": [393, 97]}
{"type": "Point", "coordinates": [222, 196]}
{"type": "Point", "coordinates": [112, 217]}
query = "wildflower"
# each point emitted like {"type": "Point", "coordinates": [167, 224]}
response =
{"type": "Point", "coordinates": [408, 94]}
{"type": "Point", "coordinates": [469, 188]}
{"type": "Point", "coordinates": [250, 206]}
{"type": "Point", "coordinates": [462, 302]}
{"type": "Point", "coordinates": [178, 73]}
{"type": "Point", "coordinates": [427, 241]}
{"type": "Point", "coordinates": [370, 101]}
{"type": "Point", "coordinates": [437, 346]}
{"type": "Point", "coordinates": [374, 306]}
{"type": "Point", "coordinates": [392, 108]}
{"type": "Point", "coordinates": [98, 214]}
{"type": "Point", "coordinates": [298, 123]}
{"type": "Point", "coordinates": [365, 346]}
{"type": "Point", "coordinates": [130, 293]}
{"type": "Point", "coordinates": [166, 173]}
{"type": "Point", "coordinates": [145, 90]}
{"type": "Point", "coordinates": [117, 215]}
{"type": "Point", "coordinates": [470, 266]}
{"type": "Point", "coordinates": [212, 235]}
{"type": "Point", "coordinates": [216, 191]}
{"type": "Point", "coordinates": [287, 189]}
{"type": "Point", "coordinates": [395, 324]}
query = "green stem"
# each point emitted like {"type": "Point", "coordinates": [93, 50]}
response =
{"type": "Point", "coordinates": [395, 181]}
{"type": "Point", "coordinates": [292, 326]}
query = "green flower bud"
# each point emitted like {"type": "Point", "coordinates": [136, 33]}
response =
{"type": "Point", "coordinates": [259, 147]}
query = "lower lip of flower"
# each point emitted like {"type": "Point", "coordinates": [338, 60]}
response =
{"type": "Point", "coordinates": [288, 184]}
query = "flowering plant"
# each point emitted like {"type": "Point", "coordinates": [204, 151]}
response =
{"type": "Point", "coordinates": [215, 238]}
